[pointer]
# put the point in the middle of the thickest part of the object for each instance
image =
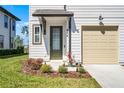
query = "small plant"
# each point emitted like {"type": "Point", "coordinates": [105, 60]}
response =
{"type": "Point", "coordinates": [71, 59]}
{"type": "Point", "coordinates": [81, 70]}
{"type": "Point", "coordinates": [46, 68]}
{"type": "Point", "coordinates": [62, 69]}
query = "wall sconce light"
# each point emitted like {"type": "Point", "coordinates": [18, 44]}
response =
{"type": "Point", "coordinates": [100, 20]}
{"type": "Point", "coordinates": [101, 24]}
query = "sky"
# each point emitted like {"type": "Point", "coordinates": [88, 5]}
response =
{"type": "Point", "coordinates": [22, 12]}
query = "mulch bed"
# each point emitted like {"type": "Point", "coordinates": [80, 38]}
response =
{"type": "Point", "coordinates": [54, 74]}
{"type": "Point", "coordinates": [27, 69]}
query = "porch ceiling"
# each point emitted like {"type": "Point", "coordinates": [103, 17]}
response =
{"type": "Point", "coordinates": [50, 12]}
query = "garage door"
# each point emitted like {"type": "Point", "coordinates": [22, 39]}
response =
{"type": "Point", "coordinates": [99, 44]}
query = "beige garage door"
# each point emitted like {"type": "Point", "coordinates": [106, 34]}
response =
{"type": "Point", "coordinates": [99, 44]}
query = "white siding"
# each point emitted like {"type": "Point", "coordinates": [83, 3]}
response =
{"type": "Point", "coordinates": [88, 15]}
{"type": "Point", "coordinates": [42, 50]}
{"type": "Point", "coordinates": [5, 31]}
{"type": "Point", "coordinates": [83, 15]}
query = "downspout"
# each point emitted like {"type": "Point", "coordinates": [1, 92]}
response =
{"type": "Point", "coordinates": [10, 33]}
{"type": "Point", "coordinates": [70, 35]}
{"type": "Point", "coordinates": [69, 23]}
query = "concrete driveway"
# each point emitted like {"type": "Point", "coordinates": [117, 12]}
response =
{"type": "Point", "coordinates": [108, 76]}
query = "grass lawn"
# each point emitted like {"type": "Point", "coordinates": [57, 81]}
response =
{"type": "Point", "coordinates": [11, 77]}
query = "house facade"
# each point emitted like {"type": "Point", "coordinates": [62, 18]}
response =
{"type": "Point", "coordinates": [7, 28]}
{"type": "Point", "coordinates": [92, 34]}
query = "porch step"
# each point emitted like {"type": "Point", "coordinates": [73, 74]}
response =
{"type": "Point", "coordinates": [55, 64]}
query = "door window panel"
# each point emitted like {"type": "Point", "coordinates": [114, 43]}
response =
{"type": "Point", "coordinates": [56, 39]}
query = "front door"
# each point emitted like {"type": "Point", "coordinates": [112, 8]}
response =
{"type": "Point", "coordinates": [56, 42]}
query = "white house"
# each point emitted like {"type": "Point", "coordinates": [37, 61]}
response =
{"type": "Point", "coordinates": [93, 34]}
{"type": "Point", "coordinates": [7, 28]}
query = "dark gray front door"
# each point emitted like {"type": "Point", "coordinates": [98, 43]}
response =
{"type": "Point", "coordinates": [56, 42]}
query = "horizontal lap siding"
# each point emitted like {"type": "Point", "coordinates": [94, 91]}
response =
{"type": "Point", "coordinates": [121, 28]}
{"type": "Point", "coordinates": [39, 51]}
{"type": "Point", "coordinates": [88, 15]}
{"type": "Point", "coordinates": [36, 51]}
{"type": "Point", "coordinates": [4, 31]}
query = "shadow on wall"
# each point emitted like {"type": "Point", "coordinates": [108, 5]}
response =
{"type": "Point", "coordinates": [45, 39]}
{"type": "Point", "coordinates": [74, 29]}
{"type": "Point", "coordinates": [46, 43]}
{"type": "Point", "coordinates": [73, 26]}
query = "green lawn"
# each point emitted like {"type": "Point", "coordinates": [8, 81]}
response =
{"type": "Point", "coordinates": [11, 77]}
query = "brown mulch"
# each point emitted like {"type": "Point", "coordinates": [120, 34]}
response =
{"type": "Point", "coordinates": [27, 69]}
{"type": "Point", "coordinates": [54, 74]}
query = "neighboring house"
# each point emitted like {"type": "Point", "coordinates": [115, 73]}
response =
{"type": "Point", "coordinates": [7, 28]}
{"type": "Point", "coordinates": [93, 34]}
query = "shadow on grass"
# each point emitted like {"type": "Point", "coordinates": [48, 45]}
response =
{"type": "Point", "coordinates": [14, 55]}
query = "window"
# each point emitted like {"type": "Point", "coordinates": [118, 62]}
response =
{"type": "Point", "coordinates": [37, 34]}
{"type": "Point", "coordinates": [1, 41]}
{"type": "Point", "coordinates": [5, 21]}
{"type": "Point", "coordinates": [12, 42]}
{"type": "Point", "coordinates": [13, 25]}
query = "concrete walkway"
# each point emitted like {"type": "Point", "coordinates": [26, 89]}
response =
{"type": "Point", "coordinates": [108, 76]}
{"type": "Point", "coordinates": [56, 63]}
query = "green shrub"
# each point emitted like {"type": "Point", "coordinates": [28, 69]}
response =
{"type": "Point", "coordinates": [46, 68]}
{"type": "Point", "coordinates": [62, 69]}
{"type": "Point", "coordinates": [81, 70]}
{"type": "Point", "coordinates": [19, 50]}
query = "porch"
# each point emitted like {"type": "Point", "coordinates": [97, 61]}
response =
{"type": "Point", "coordinates": [56, 29]}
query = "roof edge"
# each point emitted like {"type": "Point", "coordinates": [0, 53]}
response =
{"type": "Point", "coordinates": [8, 13]}
{"type": "Point", "coordinates": [52, 12]}
{"type": "Point", "coordinates": [52, 15]}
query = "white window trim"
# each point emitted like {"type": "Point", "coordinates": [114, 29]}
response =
{"type": "Point", "coordinates": [6, 20]}
{"type": "Point", "coordinates": [37, 34]}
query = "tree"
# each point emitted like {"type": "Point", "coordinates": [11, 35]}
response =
{"type": "Point", "coordinates": [18, 41]}
{"type": "Point", "coordinates": [25, 30]}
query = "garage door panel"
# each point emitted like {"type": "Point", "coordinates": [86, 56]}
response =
{"type": "Point", "coordinates": [100, 59]}
{"type": "Point", "coordinates": [107, 33]}
{"type": "Point", "coordinates": [99, 48]}
{"type": "Point", "coordinates": [99, 45]}
{"type": "Point", "coordinates": [99, 55]}
{"type": "Point", "coordinates": [100, 62]}
{"type": "Point", "coordinates": [101, 36]}
{"type": "Point", "coordinates": [99, 51]}
{"type": "Point", "coordinates": [103, 39]}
